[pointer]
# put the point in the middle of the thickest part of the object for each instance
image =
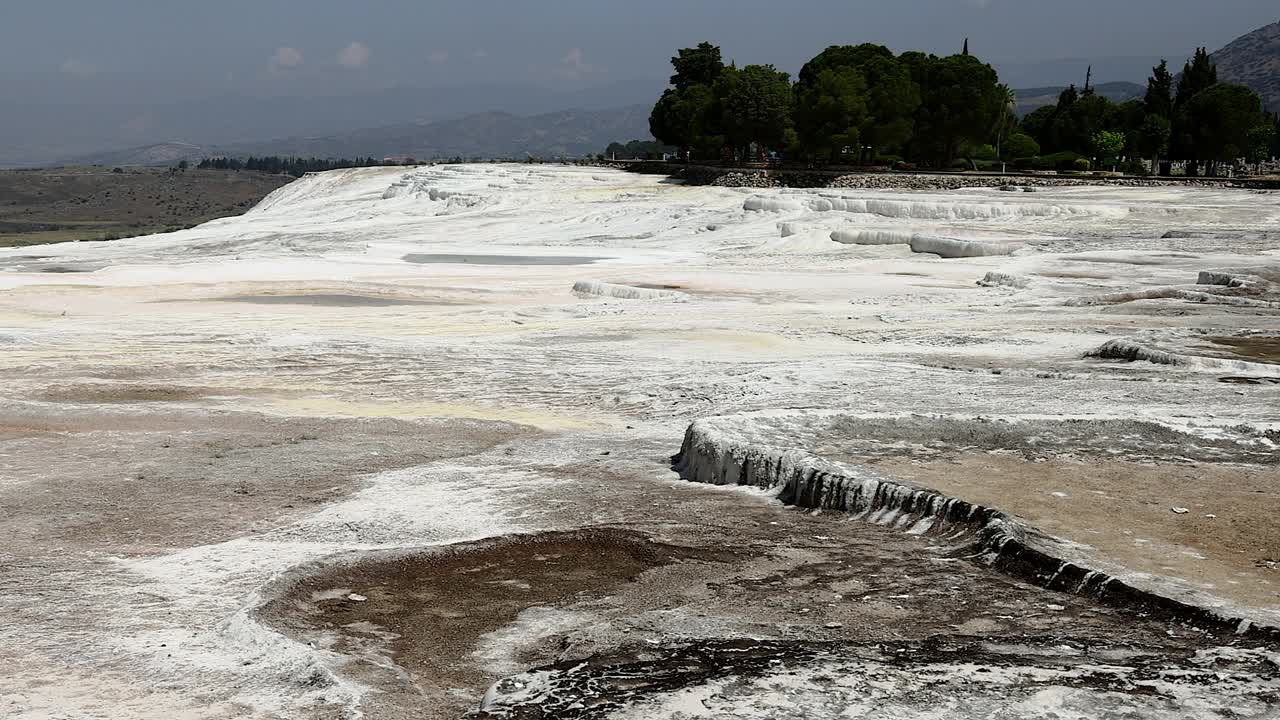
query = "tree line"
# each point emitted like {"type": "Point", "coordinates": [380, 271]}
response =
{"type": "Point", "coordinates": [637, 150]}
{"type": "Point", "coordinates": [863, 104]}
{"type": "Point", "coordinates": [850, 103]}
{"type": "Point", "coordinates": [1193, 118]}
{"type": "Point", "coordinates": [295, 166]}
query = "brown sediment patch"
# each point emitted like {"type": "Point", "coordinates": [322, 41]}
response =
{"type": "Point", "coordinates": [1080, 275]}
{"type": "Point", "coordinates": [1258, 348]}
{"type": "Point", "coordinates": [105, 394]}
{"type": "Point", "coordinates": [135, 481]}
{"type": "Point", "coordinates": [339, 300]}
{"type": "Point", "coordinates": [428, 611]}
{"type": "Point", "coordinates": [1240, 380]}
{"type": "Point", "coordinates": [1124, 511]}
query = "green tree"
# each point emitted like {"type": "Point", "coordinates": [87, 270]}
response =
{"type": "Point", "coordinates": [755, 106]}
{"type": "Point", "coordinates": [1006, 117]}
{"type": "Point", "coordinates": [1199, 74]}
{"type": "Point", "coordinates": [1153, 138]}
{"type": "Point", "coordinates": [684, 116]}
{"type": "Point", "coordinates": [699, 65]}
{"type": "Point", "coordinates": [892, 96]}
{"type": "Point", "coordinates": [1261, 140]}
{"type": "Point", "coordinates": [1159, 97]}
{"type": "Point", "coordinates": [830, 110]}
{"type": "Point", "coordinates": [1108, 145]}
{"type": "Point", "coordinates": [1021, 145]}
{"type": "Point", "coordinates": [1038, 124]}
{"type": "Point", "coordinates": [686, 119]}
{"type": "Point", "coordinates": [960, 99]}
{"type": "Point", "coordinates": [1222, 118]}
{"type": "Point", "coordinates": [842, 56]}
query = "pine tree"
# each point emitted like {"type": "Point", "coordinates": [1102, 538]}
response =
{"type": "Point", "coordinates": [966, 47]}
{"type": "Point", "coordinates": [1159, 99]}
{"type": "Point", "coordinates": [1198, 75]}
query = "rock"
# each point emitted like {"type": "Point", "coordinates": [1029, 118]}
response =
{"type": "Point", "coordinates": [1180, 510]}
{"type": "Point", "coordinates": [356, 597]}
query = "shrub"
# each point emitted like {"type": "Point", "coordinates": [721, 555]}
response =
{"type": "Point", "coordinates": [1065, 160]}
{"type": "Point", "coordinates": [1020, 145]}
{"type": "Point", "coordinates": [1135, 167]}
{"type": "Point", "coordinates": [983, 152]}
{"type": "Point", "coordinates": [1081, 165]}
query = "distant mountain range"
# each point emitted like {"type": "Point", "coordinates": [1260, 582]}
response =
{"type": "Point", "coordinates": [451, 121]}
{"type": "Point", "coordinates": [1254, 60]}
{"type": "Point", "coordinates": [569, 133]}
{"type": "Point", "coordinates": [34, 133]}
{"type": "Point", "coordinates": [1031, 98]}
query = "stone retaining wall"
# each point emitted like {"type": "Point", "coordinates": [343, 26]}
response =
{"type": "Point", "coordinates": [769, 178]}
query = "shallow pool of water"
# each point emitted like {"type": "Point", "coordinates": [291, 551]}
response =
{"type": "Point", "coordinates": [468, 259]}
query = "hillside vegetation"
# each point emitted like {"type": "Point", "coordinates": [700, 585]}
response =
{"type": "Point", "coordinates": [1254, 60]}
{"type": "Point", "coordinates": [102, 203]}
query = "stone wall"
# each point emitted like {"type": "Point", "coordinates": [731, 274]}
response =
{"type": "Point", "coordinates": [768, 178]}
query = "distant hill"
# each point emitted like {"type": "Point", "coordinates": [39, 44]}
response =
{"type": "Point", "coordinates": [169, 153]}
{"type": "Point", "coordinates": [568, 133]}
{"type": "Point", "coordinates": [1254, 60]}
{"type": "Point", "coordinates": [1064, 71]}
{"type": "Point", "coordinates": [486, 135]}
{"type": "Point", "coordinates": [1031, 98]}
{"type": "Point", "coordinates": [33, 133]}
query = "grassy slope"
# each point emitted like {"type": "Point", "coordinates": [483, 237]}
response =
{"type": "Point", "coordinates": [94, 203]}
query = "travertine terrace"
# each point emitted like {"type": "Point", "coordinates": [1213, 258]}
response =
{"type": "Point", "coordinates": [398, 443]}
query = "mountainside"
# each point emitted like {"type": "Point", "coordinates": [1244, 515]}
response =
{"type": "Point", "coordinates": [569, 133]}
{"type": "Point", "coordinates": [33, 133]}
{"type": "Point", "coordinates": [168, 153]}
{"type": "Point", "coordinates": [1254, 60]}
{"type": "Point", "coordinates": [486, 135]}
{"type": "Point", "coordinates": [1031, 98]}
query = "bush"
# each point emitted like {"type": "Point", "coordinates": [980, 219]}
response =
{"type": "Point", "coordinates": [1025, 163]}
{"type": "Point", "coordinates": [887, 160]}
{"type": "Point", "coordinates": [983, 152]}
{"type": "Point", "coordinates": [1081, 165]}
{"type": "Point", "coordinates": [1020, 145]}
{"type": "Point", "coordinates": [1065, 160]}
{"type": "Point", "coordinates": [1135, 167]}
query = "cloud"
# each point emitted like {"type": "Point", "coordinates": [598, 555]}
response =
{"type": "Point", "coordinates": [78, 68]}
{"type": "Point", "coordinates": [355, 55]}
{"type": "Point", "coordinates": [438, 57]}
{"type": "Point", "coordinates": [574, 59]}
{"type": "Point", "coordinates": [480, 54]}
{"type": "Point", "coordinates": [574, 65]}
{"type": "Point", "coordinates": [285, 57]}
{"type": "Point", "coordinates": [139, 124]}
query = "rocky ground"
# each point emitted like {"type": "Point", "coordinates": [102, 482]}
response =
{"type": "Point", "coordinates": [750, 178]}
{"type": "Point", "coordinates": [399, 443]}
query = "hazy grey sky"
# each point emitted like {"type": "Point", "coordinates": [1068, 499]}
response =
{"type": "Point", "coordinates": [185, 48]}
